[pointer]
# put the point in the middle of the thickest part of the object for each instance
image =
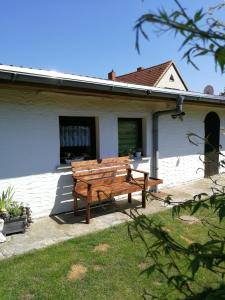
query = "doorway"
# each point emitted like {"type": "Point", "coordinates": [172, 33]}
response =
{"type": "Point", "coordinates": [212, 140]}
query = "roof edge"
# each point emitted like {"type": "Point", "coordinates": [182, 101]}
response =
{"type": "Point", "coordinates": [21, 75]}
{"type": "Point", "coordinates": [163, 73]}
{"type": "Point", "coordinates": [169, 61]}
{"type": "Point", "coordinates": [179, 74]}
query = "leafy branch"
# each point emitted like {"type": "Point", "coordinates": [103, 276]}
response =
{"type": "Point", "coordinates": [202, 33]}
{"type": "Point", "coordinates": [180, 264]}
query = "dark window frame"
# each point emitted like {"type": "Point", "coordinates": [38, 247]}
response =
{"type": "Point", "coordinates": [88, 152]}
{"type": "Point", "coordinates": [139, 136]}
{"type": "Point", "coordinates": [171, 78]}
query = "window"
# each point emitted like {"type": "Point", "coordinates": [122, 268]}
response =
{"type": "Point", "coordinates": [77, 138]}
{"type": "Point", "coordinates": [130, 136]}
{"type": "Point", "coordinates": [171, 77]}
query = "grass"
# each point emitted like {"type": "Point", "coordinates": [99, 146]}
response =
{"type": "Point", "coordinates": [110, 271]}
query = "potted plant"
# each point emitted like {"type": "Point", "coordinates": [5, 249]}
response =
{"type": "Point", "coordinates": [138, 153]}
{"type": "Point", "coordinates": [68, 157]}
{"type": "Point", "coordinates": [16, 217]}
{"type": "Point", "coordinates": [130, 152]}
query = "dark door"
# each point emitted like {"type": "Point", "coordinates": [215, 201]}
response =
{"type": "Point", "coordinates": [212, 140]}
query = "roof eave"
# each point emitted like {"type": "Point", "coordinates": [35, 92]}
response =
{"type": "Point", "coordinates": [108, 86]}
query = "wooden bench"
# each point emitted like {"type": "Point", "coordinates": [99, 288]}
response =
{"type": "Point", "coordinates": [100, 180]}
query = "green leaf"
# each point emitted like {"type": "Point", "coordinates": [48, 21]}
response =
{"type": "Point", "coordinates": [196, 208]}
{"type": "Point", "coordinates": [221, 213]}
{"type": "Point", "coordinates": [195, 264]}
{"type": "Point", "coordinates": [189, 38]}
{"type": "Point", "coordinates": [175, 14]}
{"type": "Point", "coordinates": [203, 52]}
{"type": "Point", "coordinates": [211, 47]}
{"type": "Point", "coordinates": [150, 269]}
{"type": "Point", "coordinates": [220, 57]}
{"type": "Point", "coordinates": [198, 15]}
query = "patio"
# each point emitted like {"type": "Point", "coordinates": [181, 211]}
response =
{"type": "Point", "coordinates": [50, 230]}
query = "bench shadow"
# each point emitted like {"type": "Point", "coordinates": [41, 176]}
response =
{"type": "Point", "coordinates": [96, 211]}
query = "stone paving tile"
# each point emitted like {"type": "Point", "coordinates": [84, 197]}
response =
{"type": "Point", "coordinates": [65, 226]}
{"type": "Point", "coordinates": [50, 230]}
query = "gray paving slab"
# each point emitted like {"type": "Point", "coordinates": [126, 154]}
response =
{"type": "Point", "coordinates": [188, 190]}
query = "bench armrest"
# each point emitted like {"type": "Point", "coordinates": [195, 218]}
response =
{"type": "Point", "coordinates": [89, 187]}
{"type": "Point", "coordinates": [146, 175]}
{"type": "Point", "coordinates": [139, 171]}
{"type": "Point", "coordinates": [82, 180]}
{"type": "Point", "coordinates": [85, 181]}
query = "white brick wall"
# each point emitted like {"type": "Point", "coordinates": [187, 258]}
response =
{"type": "Point", "coordinates": [29, 148]}
{"type": "Point", "coordinates": [176, 170]}
{"type": "Point", "coordinates": [42, 192]}
{"type": "Point", "coordinates": [180, 161]}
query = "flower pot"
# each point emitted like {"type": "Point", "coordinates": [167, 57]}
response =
{"type": "Point", "coordinates": [15, 225]}
{"type": "Point", "coordinates": [138, 154]}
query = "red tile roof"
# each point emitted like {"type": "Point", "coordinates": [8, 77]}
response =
{"type": "Point", "coordinates": [149, 76]}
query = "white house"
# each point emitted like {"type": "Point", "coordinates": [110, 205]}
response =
{"type": "Point", "coordinates": [46, 117]}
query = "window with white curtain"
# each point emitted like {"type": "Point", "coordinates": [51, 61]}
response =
{"type": "Point", "coordinates": [77, 138]}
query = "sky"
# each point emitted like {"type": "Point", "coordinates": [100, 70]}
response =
{"type": "Point", "coordinates": [92, 37]}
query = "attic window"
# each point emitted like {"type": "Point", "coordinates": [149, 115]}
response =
{"type": "Point", "coordinates": [171, 77]}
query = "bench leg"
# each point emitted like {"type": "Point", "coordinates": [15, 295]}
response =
{"type": "Point", "coordinates": [143, 199]}
{"type": "Point", "coordinates": [129, 198]}
{"type": "Point", "coordinates": [75, 205]}
{"type": "Point", "coordinates": [88, 213]}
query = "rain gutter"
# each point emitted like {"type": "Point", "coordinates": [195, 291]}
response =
{"type": "Point", "coordinates": [55, 79]}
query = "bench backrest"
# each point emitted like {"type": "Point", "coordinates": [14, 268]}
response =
{"type": "Point", "coordinates": [107, 170]}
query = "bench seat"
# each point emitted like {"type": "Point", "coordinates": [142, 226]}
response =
{"type": "Point", "coordinates": [104, 192]}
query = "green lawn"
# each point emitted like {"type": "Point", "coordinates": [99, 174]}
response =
{"type": "Point", "coordinates": [112, 274]}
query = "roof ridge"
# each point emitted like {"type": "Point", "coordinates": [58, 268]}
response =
{"type": "Point", "coordinates": [164, 72]}
{"type": "Point", "coordinates": [166, 62]}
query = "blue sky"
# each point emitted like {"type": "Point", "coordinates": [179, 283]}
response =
{"type": "Point", "coordinates": [91, 37]}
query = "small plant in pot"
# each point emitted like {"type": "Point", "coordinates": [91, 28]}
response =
{"type": "Point", "coordinates": [5, 202]}
{"type": "Point", "coordinates": [130, 152]}
{"type": "Point", "coordinates": [16, 217]}
{"type": "Point", "coordinates": [138, 153]}
{"type": "Point", "coordinates": [68, 157]}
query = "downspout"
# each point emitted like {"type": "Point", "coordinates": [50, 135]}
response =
{"type": "Point", "coordinates": [178, 111]}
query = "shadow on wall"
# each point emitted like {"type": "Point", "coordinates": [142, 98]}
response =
{"type": "Point", "coordinates": [64, 196]}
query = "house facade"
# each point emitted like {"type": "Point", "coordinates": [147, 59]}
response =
{"type": "Point", "coordinates": [45, 117]}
